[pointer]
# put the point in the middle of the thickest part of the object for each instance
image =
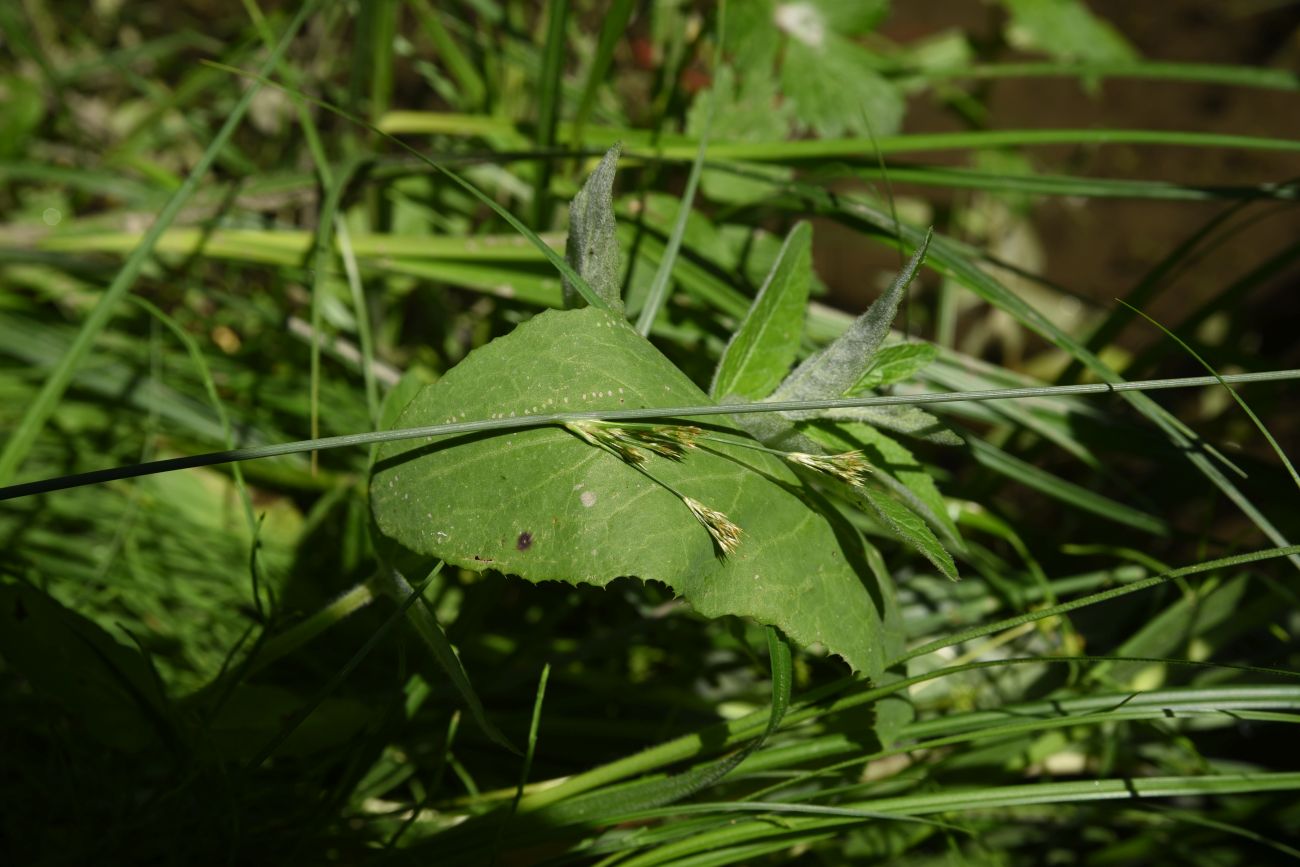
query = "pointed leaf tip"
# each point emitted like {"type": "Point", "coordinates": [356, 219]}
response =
{"type": "Point", "coordinates": [836, 369]}
{"type": "Point", "coordinates": [592, 249]}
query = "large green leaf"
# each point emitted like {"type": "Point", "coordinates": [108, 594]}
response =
{"type": "Point", "coordinates": [543, 504]}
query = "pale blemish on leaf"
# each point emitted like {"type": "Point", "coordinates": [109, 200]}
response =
{"type": "Point", "coordinates": [802, 21]}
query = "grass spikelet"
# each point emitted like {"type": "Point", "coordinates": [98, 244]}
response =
{"type": "Point", "coordinates": [851, 467]}
{"type": "Point", "coordinates": [726, 533]}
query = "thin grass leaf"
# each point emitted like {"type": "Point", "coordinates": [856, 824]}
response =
{"type": "Point", "coordinates": [1227, 299]}
{"type": "Point", "coordinates": [426, 626]}
{"type": "Point", "coordinates": [1045, 184]}
{"type": "Point", "coordinates": [1277, 449]}
{"type": "Point", "coordinates": [210, 388]}
{"type": "Point", "coordinates": [335, 186]}
{"type": "Point", "coordinates": [19, 442]}
{"type": "Point", "coordinates": [526, 769]}
{"type": "Point", "coordinates": [1160, 277]}
{"type": "Point", "coordinates": [361, 311]}
{"type": "Point", "coordinates": [995, 293]}
{"type": "Point", "coordinates": [554, 258]}
{"type": "Point", "coordinates": [292, 724]}
{"type": "Point", "coordinates": [613, 28]}
{"type": "Point", "coordinates": [658, 292]}
{"type": "Point", "coordinates": [1058, 488]}
{"type": "Point", "coordinates": [549, 97]}
{"type": "Point", "coordinates": [462, 69]}
{"type": "Point", "coordinates": [669, 790]}
{"type": "Point", "coordinates": [1153, 70]}
{"type": "Point", "coordinates": [717, 843]}
{"type": "Point", "coordinates": [680, 148]}
{"type": "Point", "coordinates": [1095, 598]}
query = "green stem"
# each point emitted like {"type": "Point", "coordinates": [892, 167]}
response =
{"type": "Point", "coordinates": [296, 636]}
{"type": "Point", "coordinates": [1200, 73]}
{"type": "Point", "coordinates": [663, 275]}
{"type": "Point", "coordinates": [75, 480]}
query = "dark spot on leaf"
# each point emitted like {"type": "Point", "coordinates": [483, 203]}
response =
{"type": "Point", "coordinates": [20, 610]}
{"type": "Point", "coordinates": [525, 541]}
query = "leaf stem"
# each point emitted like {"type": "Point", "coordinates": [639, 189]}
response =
{"type": "Point", "coordinates": [76, 480]}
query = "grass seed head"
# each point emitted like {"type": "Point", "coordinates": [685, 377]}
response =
{"type": "Point", "coordinates": [671, 441]}
{"type": "Point", "coordinates": [603, 435]}
{"type": "Point", "coordinates": [720, 527]}
{"type": "Point", "coordinates": [851, 467]}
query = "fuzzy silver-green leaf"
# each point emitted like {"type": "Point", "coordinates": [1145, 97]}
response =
{"type": "Point", "coordinates": [592, 248]}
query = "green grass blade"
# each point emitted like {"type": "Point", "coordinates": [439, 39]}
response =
{"type": "Point", "coordinates": [548, 105]}
{"type": "Point", "coordinates": [335, 185]}
{"type": "Point", "coordinates": [1157, 279]}
{"type": "Point", "coordinates": [33, 421]}
{"type": "Point", "coordinates": [1054, 486]}
{"type": "Point", "coordinates": [948, 177]}
{"type": "Point", "coordinates": [1190, 73]}
{"type": "Point", "coordinates": [658, 293]}
{"type": "Point", "coordinates": [994, 292]}
{"type": "Point", "coordinates": [339, 676]}
{"type": "Point", "coordinates": [1277, 449]}
{"type": "Point", "coordinates": [426, 626]}
{"type": "Point", "coordinates": [375, 55]}
{"type": "Point", "coordinates": [554, 258]}
{"type": "Point", "coordinates": [526, 768]}
{"type": "Point", "coordinates": [825, 149]}
{"type": "Point", "coordinates": [1093, 599]}
{"type": "Point", "coordinates": [361, 310]}
{"type": "Point", "coordinates": [680, 148]}
{"type": "Point", "coordinates": [716, 845]}
{"type": "Point", "coordinates": [461, 67]}
{"type": "Point", "coordinates": [612, 29]}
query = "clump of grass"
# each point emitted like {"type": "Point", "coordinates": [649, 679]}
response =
{"type": "Point", "coordinates": [226, 660]}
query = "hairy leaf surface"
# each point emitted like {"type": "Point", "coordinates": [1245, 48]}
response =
{"type": "Point", "coordinates": [592, 248]}
{"type": "Point", "coordinates": [834, 371]}
{"type": "Point", "coordinates": [893, 364]}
